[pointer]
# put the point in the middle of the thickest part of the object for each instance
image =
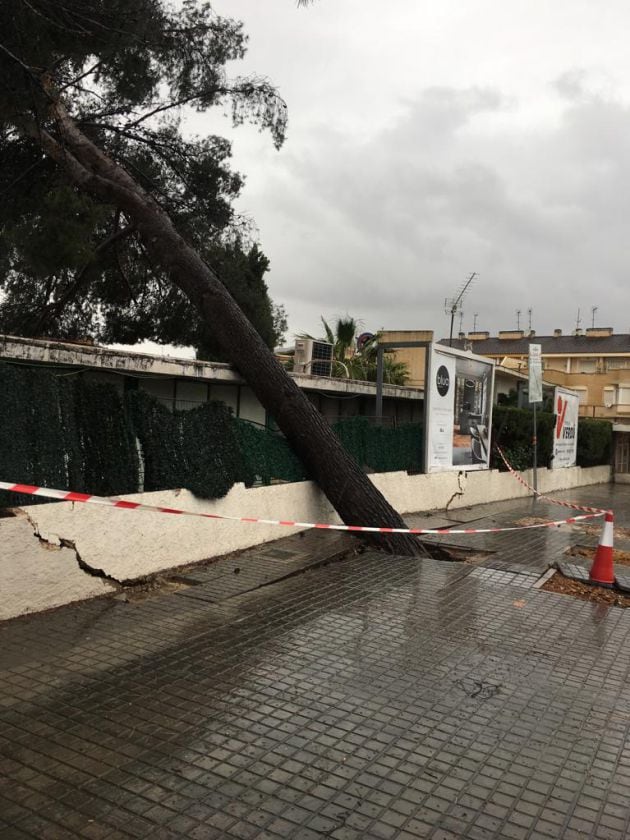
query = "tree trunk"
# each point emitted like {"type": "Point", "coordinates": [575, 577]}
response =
{"type": "Point", "coordinates": [349, 490]}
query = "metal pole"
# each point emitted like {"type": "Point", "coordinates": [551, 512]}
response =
{"type": "Point", "coordinates": [450, 336]}
{"type": "Point", "coordinates": [535, 446]}
{"type": "Point", "coordinates": [425, 415]}
{"type": "Point", "coordinates": [379, 385]}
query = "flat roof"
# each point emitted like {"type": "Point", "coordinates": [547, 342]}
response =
{"type": "Point", "coordinates": [36, 351]}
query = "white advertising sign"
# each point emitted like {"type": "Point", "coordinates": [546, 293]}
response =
{"type": "Point", "coordinates": [567, 409]}
{"type": "Point", "coordinates": [458, 397]}
{"type": "Point", "coordinates": [535, 373]}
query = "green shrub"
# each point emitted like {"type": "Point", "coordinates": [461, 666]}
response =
{"type": "Point", "coordinates": [594, 443]}
{"type": "Point", "coordinates": [512, 430]}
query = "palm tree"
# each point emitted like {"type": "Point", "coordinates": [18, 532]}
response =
{"type": "Point", "coordinates": [350, 362]}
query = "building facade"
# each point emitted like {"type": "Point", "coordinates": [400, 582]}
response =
{"type": "Point", "coordinates": [593, 362]}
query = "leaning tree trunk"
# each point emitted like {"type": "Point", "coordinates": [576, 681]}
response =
{"type": "Point", "coordinates": [349, 490]}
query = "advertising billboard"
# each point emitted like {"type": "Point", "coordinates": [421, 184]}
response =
{"type": "Point", "coordinates": [567, 409]}
{"type": "Point", "coordinates": [458, 416]}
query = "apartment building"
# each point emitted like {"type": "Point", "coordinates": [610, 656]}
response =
{"type": "Point", "coordinates": [593, 362]}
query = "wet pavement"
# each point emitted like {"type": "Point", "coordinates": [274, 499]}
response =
{"type": "Point", "coordinates": [371, 697]}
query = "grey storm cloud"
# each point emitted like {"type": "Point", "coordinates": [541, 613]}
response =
{"type": "Point", "coordinates": [387, 228]}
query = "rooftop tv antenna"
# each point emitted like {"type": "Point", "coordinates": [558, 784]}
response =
{"type": "Point", "coordinates": [593, 311]}
{"type": "Point", "coordinates": [518, 319]}
{"type": "Point", "coordinates": [529, 317]}
{"type": "Point", "coordinates": [454, 305]}
{"type": "Point", "coordinates": [475, 316]}
{"type": "Point", "coordinates": [578, 320]}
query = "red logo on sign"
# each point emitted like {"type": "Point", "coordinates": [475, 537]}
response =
{"type": "Point", "coordinates": [562, 410]}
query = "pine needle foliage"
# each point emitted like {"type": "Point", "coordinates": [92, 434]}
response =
{"type": "Point", "coordinates": [128, 72]}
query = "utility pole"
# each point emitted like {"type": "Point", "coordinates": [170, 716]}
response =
{"type": "Point", "coordinates": [475, 316]}
{"type": "Point", "coordinates": [518, 319]}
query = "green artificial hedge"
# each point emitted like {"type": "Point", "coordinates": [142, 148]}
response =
{"type": "Point", "coordinates": [382, 448]}
{"type": "Point", "coordinates": [266, 455]}
{"type": "Point", "coordinates": [65, 432]}
{"type": "Point", "coordinates": [107, 457]}
{"type": "Point", "coordinates": [61, 429]}
{"type": "Point", "coordinates": [196, 449]}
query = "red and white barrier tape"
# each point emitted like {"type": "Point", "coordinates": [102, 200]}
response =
{"type": "Point", "coordinates": [571, 505]}
{"type": "Point", "coordinates": [66, 496]}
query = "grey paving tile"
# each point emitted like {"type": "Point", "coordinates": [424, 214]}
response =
{"type": "Point", "coordinates": [373, 698]}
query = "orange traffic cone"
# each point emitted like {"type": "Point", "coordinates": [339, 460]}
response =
{"type": "Point", "coordinates": [602, 571]}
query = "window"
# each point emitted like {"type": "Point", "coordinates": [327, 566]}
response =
{"type": "Point", "coordinates": [582, 393]}
{"type": "Point", "coordinates": [554, 364]}
{"type": "Point", "coordinates": [624, 394]}
{"type": "Point", "coordinates": [610, 396]}
{"type": "Point", "coordinates": [587, 366]}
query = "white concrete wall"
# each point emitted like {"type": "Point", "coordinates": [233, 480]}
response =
{"type": "Point", "coordinates": [408, 493]}
{"type": "Point", "coordinates": [36, 576]}
{"type": "Point", "coordinates": [126, 545]}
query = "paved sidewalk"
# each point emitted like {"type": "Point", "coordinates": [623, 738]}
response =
{"type": "Point", "coordinates": [372, 697]}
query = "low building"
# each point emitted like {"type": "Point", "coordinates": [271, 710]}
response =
{"type": "Point", "coordinates": [184, 383]}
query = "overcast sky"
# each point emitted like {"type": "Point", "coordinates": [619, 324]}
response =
{"type": "Point", "coordinates": [428, 140]}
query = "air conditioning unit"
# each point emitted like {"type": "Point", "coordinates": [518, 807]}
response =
{"type": "Point", "coordinates": [314, 357]}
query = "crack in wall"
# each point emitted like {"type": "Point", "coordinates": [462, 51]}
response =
{"type": "Point", "coordinates": [66, 543]}
{"type": "Point", "coordinates": [85, 567]}
{"type": "Point", "coordinates": [458, 493]}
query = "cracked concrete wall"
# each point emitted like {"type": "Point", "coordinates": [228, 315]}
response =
{"type": "Point", "coordinates": [436, 491]}
{"type": "Point", "coordinates": [125, 545]}
{"type": "Point", "coordinates": [38, 576]}
{"type": "Point", "coordinates": [95, 543]}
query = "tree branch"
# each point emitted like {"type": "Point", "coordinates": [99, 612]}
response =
{"type": "Point", "coordinates": [54, 309]}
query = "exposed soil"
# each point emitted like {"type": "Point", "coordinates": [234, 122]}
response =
{"type": "Point", "coordinates": [595, 531]}
{"type": "Point", "coordinates": [459, 554]}
{"type": "Point", "coordinates": [620, 557]}
{"type": "Point", "coordinates": [585, 591]}
{"type": "Point", "coordinates": [158, 585]}
{"type": "Point", "coordinates": [533, 520]}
